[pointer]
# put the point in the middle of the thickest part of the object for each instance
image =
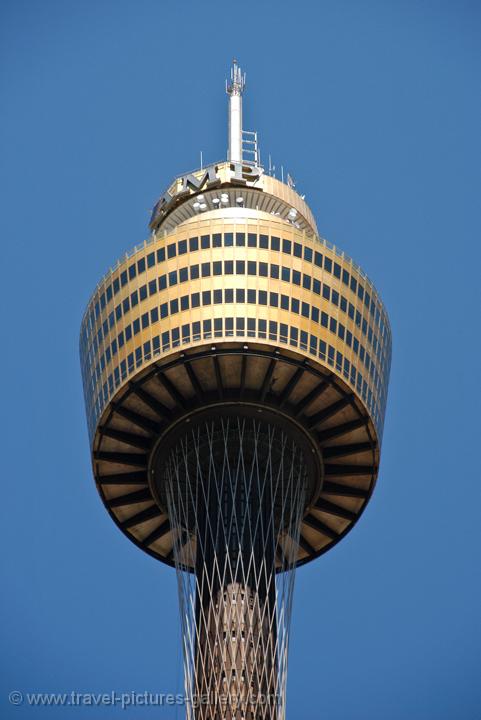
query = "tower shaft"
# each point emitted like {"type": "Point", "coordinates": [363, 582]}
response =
{"type": "Point", "coordinates": [236, 598]}
{"type": "Point", "coordinates": [236, 483]}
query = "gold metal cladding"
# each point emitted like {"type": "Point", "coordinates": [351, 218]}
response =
{"type": "Point", "coordinates": [95, 380]}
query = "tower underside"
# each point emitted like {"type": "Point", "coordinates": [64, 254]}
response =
{"type": "Point", "coordinates": [311, 404]}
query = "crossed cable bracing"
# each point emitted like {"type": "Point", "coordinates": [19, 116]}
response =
{"type": "Point", "coordinates": [236, 489]}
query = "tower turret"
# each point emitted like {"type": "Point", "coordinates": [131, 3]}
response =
{"type": "Point", "coordinates": [235, 369]}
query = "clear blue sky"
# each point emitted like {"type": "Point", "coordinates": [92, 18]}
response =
{"type": "Point", "coordinates": [374, 108]}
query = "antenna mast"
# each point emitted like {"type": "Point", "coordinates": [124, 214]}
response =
{"type": "Point", "coordinates": [234, 89]}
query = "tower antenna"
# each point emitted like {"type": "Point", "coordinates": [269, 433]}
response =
{"type": "Point", "coordinates": [234, 90]}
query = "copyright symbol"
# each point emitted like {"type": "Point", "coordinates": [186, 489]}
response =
{"type": "Point", "coordinates": [15, 697]}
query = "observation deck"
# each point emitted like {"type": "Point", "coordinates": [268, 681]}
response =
{"type": "Point", "coordinates": [235, 301]}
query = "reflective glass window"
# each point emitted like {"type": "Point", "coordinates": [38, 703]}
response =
{"type": "Point", "coordinates": [152, 287]}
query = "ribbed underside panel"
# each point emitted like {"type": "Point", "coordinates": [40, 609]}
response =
{"type": "Point", "coordinates": [235, 488]}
